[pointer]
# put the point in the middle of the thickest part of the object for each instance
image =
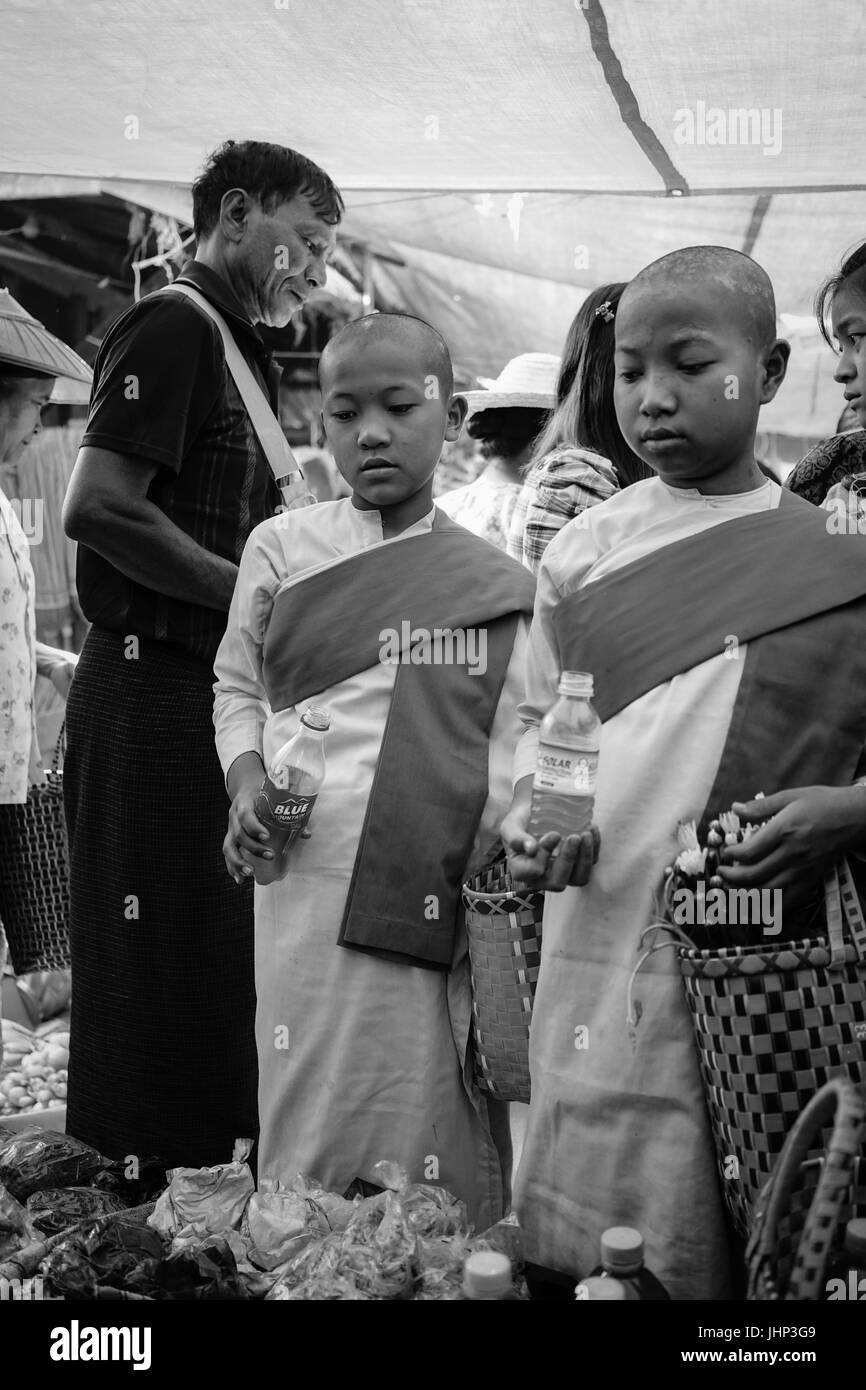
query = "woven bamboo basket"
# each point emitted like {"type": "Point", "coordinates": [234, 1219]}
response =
{"type": "Point", "coordinates": [801, 1212]}
{"type": "Point", "coordinates": [34, 883]}
{"type": "Point", "coordinates": [772, 1025]}
{"type": "Point", "coordinates": [503, 926]}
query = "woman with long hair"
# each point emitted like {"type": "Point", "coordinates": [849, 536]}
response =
{"type": "Point", "coordinates": [833, 474]}
{"type": "Point", "coordinates": [580, 457]}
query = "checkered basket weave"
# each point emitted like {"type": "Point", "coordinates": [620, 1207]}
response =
{"type": "Point", "coordinates": [503, 925]}
{"type": "Point", "coordinates": [34, 876]}
{"type": "Point", "coordinates": [772, 1025]}
{"type": "Point", "coordinates": [802, 1210]}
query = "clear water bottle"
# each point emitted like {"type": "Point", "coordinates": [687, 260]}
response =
{"type": "Point", "coordinates": [563, 790]}
{"type": "Point", "coordinates": [287, 796]}
{"type": "Point", "coordinates": [622, 1259]}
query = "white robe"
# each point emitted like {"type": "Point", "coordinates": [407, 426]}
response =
{"type": "Point", "coordinates": [617, 1136]}
{"type": "Point", "coordinates": [376, 1062]}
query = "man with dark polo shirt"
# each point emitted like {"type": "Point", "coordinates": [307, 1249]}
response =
{"type": "Point", "coordinates": [170, 480]}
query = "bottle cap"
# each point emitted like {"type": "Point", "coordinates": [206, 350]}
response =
{"type": "Point", "coordinates": [622, 1249]}
{"type": "Point", "coordinates": [487, 1275]}
{"type": "Point", "coordinates": [316, 718]}
{"type": "Point", "coordinates": [855, 1237]}
{"type": "Point", "coordinates": [576, 683]}
{"type": "Point", "coordinates": [600, 1287]}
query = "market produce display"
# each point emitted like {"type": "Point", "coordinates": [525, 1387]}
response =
{"type": "Point", "coordinates": [33, 1072]}
{"type": "Point", "coordinates": [211, 1234]}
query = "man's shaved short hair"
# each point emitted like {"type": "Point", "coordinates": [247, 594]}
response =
{"type": "Point", "coordinates": [406, 329]}
{"type": "Point", "coordinates": [732, 271]}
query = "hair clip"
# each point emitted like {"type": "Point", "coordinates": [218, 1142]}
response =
{"type": "Point", "coordinates": [606, 310]}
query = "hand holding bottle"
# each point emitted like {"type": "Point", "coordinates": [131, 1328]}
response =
{"type": "Point", "coordinates": [246, 834]}
{"type": "Point", "coordinates": [550, 863]}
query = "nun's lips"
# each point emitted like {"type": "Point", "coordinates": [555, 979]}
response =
{"type": "Point", "coordinates": [376, 465]}
{"type": "Point", "coordinates": [659, 436]}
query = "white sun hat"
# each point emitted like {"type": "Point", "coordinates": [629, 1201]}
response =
{"type": "Point", "coordinates": [527, 380]}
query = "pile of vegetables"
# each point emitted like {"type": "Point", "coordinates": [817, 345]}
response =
{"type": "Point", "coordinates": [34, 1071]}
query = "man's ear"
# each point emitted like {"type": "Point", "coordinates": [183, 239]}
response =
{"type": "Point", "coordinates": [775, 367]}
{"type": "Point", "coordinates": [457, 408]}
{"type": "Point", "coordinates": [234, 211]}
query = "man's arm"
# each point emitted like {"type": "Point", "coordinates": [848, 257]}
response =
{"type": "Point", "coordinates": [107, 509]}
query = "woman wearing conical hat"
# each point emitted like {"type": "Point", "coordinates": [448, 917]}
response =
{"type": "Point", "coordinates": [31, 361]}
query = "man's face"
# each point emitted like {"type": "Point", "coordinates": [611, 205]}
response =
{"type": "Point", "coordinates": [281, 258]}
{"type": "Point", "coordinates": [20, 415]}
{"type": "Point", "coordinates": [688, 381]}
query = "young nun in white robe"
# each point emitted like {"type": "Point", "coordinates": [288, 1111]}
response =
{"type": "Point", "coordinates": [363, 1054]}
{"type": "Point", "coordinates": [618, 1131]}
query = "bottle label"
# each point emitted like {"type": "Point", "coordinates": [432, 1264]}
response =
{"type": "Point", "coordinates": [284, 807]}
{"type": "Point", "coordinates": [565, 771]}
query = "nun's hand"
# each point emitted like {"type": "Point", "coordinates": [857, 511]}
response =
{"type": "Point", "coordinates": [549, 863]}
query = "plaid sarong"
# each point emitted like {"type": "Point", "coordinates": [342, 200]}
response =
{"type": "Point", "coordinates": [163, 1057]}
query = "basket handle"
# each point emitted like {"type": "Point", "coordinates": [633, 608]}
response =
{"type": "Point", "coordinates": [59, 747]}
{"type": "Point", "coordinates": [838, 1099]}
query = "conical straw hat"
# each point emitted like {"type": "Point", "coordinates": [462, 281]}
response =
{"type": "Point", "coordinates": [26, 343]}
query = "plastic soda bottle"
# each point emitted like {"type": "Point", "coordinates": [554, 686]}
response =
{"type": "Point", "coordinates": [287, 796]}
{"type": "Point", "coordinates": [622, 1259]}
{"type": "Point", "coordinates": [563, 790]}
{"type": "Point", "coordinates": [487, 1276]}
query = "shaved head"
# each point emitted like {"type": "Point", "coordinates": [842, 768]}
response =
{"type": "Point", "coordinates": [411, 334]}
{"type": "Point", "coordinates": [728, 274]}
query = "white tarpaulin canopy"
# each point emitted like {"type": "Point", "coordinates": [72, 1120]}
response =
{"type": "Point", "coordinates": [516, 152]}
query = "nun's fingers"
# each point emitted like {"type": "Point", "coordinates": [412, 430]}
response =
{"type": "Point", "coordinates": [585, 856]}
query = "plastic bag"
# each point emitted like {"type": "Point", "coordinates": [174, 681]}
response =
{"type": "Point", "coordinates": [33, 1159]}
{"type": "Point", "coordinates": [207, 1269]}
{"type": "Point", "coordinates": [338, 1210]}
{"type": "Point", "coordinates": [278, 1222]}
{"type": "Point", "coordinates": [205, 1201]}
{"type": "Point", "coordinates": [373, 1258]}
{"type": "Point", "coordinates": [55, 1209]}
{"type": "Point", "coordinates": [117, 1256]}
{"type": "Point", "coordinates": [14, 1227]}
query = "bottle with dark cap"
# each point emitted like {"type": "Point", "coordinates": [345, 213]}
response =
{"type": "Point", "coordinates": [622, 1259]}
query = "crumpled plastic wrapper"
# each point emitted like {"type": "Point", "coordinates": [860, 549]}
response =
{"type": "Point", "coordinates": [200, 1202]}
{"type": "Point", "coordinates": [34, 1158]}
{"type": "Point", "coordinates": [14, 1227]}
{"type": "Point", "coordinates": [55, 1209]}
{"type": "Point", "coordinates": [121, 1257]}
{"type": "Point", "coordinates": [118, 1259]}
{"type": "Point", "coordinates": [278, 1222]}
{"type": "Point", "coordinates": [373, 1258]}
{"type": "Point", "coordinates": [385, 1247]}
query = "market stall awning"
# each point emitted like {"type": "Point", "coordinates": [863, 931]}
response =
{"type": "Point", "coordinates": [581, 95]}
{"type": "Point", "coordinates": [510, 155]}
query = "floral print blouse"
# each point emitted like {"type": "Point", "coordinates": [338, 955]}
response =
{"type": "Point", "coordinates": [19, 750]}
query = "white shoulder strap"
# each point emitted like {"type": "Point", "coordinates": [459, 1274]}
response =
{"type": "Point", "coordinates": [284, 466]}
